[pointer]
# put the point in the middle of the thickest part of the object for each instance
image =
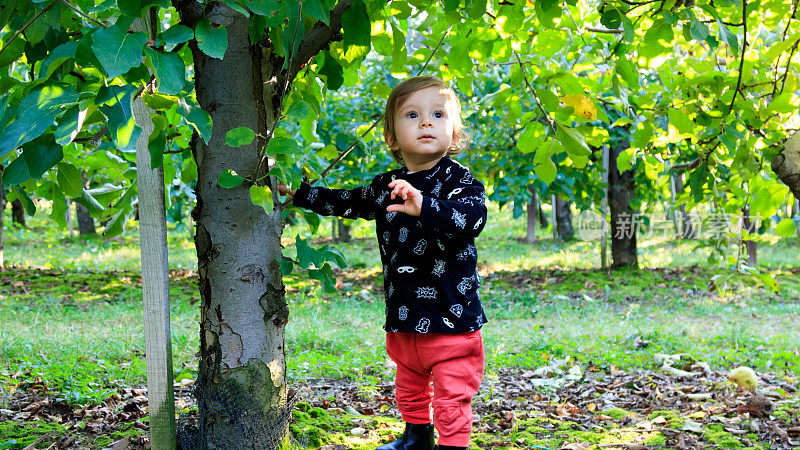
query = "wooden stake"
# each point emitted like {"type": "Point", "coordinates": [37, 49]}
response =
{"type": "Point", "coordinates": [604, 212]}
{"type": "Point", "coordinates": [155, 284]}
{"type": "Point", "coordinates": [533, 216]}
{"type": "Point", "coordinates": [555, 217]}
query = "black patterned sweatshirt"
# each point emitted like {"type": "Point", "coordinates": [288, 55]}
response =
{"type": "Point", "coordinates": [429, 262]}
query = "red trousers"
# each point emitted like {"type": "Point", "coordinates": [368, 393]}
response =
{"type": "Point", "coordinates": [455, 364]}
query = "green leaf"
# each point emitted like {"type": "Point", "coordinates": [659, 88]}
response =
{"type": "Point", "coordinates": [399, 53]}
{"type": "Point", "coordinates": [17, 172]}
{"type": "Point", "coordinates": [27, 203]}
{"type": "Point", "coordinates": [778, 49]}
{"type": "Point", "coordinates": [298, 110]}
{"type": "Point", "coordinates": [41, 154]}
{"type": "Point", "coordinates": [70, 180]}
{"type": "Point", "coordinates": [652, 45]}
{"type": "Point", "coordinates": [13, 52]}
{"type": "Point", "coordinates": [306, 255]}
{"type": "Point", "coordinates": [698, 30]}
{"type": "Point", "coordinates": [611, 18]}
{"type": "Point", "coordinates": [549, 42]}
{"type": "Point", "coordinates": [531, 137]}
{"type": "Point", "coordinates": [332, 71]}
{"type": "Point", "coordinates": [121, 124]}
{"type": "Point", "coordinates": [55, 58]}
{"type": "Point", "coordinates": [328, 152]}
{"type": "Point", "coordinates": [625, 160]}
{"type": "Point", "coordinates": [356, 32]}
{"type": "Point", "coordinates": [196, 116]}
{"type": "Point", "coordinates": [726, 36]}
{"type": "Point", "coordinates": [240, 136]}
{"type": "Point", "coordinates": [680, 121]}
{"type": "Point", "coordinates": [286, 266]}
{"type": "Point", "coordinates": [156, 144]}
{"type": "Point", "coordinates": [117, 223]}
{"type": "Point", "coordinates": [317, 9]}
{"type": "Point", "coordinates": [132, 8]}
{"type": "Point", "coordinates": [262, 196]}
{"type": "Point", "coordinates": [58, 210]}
{"type": "Point", "coordinates": [117, 50]}
{"type": "Point", "coordinates": [543, 166]}
{"type": "Point", "coordinates": [786, 228]}
{"type": "Point", "coordinates": [331, 254]}
{"type": "Point", "coordinates": [169, 69]}
{"type": "Point", "coordinates": [324, 275]}
{"type": "Point", "coordinates": [35, 114]}
{"type": "Point", "coordinates": [158, 101]}
{"type": "Point", "coordinates": [211, 39]}
{"type": "Point", "coordinates": [86, 199]}
{"type": "Point", "coordinates": [69, 125]}
{"type": "Point", "coordinates": [312, 219]}
{"type": "Point", "coordinates": [628, 72]}
{"type": "Point", "coordinates": [548, 99]}
{"type": "Point", "coordinates": [283, 146]}
{"type": "Point", "coordinates": [176, 34]}
{"type": "Point", "coordinates": [229, 179]}
{"type": "Point", "coordinates": [268, 8]}
{"type": "Point", "coordinates": [572, 140]}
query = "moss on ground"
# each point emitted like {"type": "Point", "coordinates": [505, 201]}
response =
{"type": "Point", "coordinates": [15, 435]}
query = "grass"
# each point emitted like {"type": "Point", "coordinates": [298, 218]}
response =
{"type": "Point", "coordinates": [70, 309]}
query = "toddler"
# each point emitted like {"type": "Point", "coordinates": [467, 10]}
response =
{"type": "Point", "coordinates": [427, 216]}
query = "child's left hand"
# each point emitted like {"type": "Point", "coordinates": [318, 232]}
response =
{"type": "Point", "coordinates": [412, 198]}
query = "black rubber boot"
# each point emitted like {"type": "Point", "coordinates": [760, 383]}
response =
{"type": "Point", "coordinates": [449, 447]}
{"type": "Point", "coordinates": [415, 437]}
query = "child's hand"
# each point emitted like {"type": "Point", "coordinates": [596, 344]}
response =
{"type": "Point", "coordinates": [413, 198]}
{"type": "Point", "coordinates": [285, 191]}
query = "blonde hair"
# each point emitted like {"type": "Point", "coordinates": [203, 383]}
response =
{"type": "Point", "coordinates": [408, 87]}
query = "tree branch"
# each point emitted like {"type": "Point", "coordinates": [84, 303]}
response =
{"type": "Point", "coordinates": [83, 14]}
{"type": "Point", "coordinates": [550, 121]}
{"type": "Point", "coordinates": [603, 30]}
{"type": "Point", "coordinates": [741, 60]}
{"type": "Point", "coordinates": [317, 39]}
{"type": "Point", "coordinates": [27, 25]}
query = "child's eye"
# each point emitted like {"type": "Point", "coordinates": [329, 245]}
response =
{"type": "Point", "coordinates": [438, 114]}
{"type": "Point", "coordinates": [411, 115]}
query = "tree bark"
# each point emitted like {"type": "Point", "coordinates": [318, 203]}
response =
{"type": "Point", "coordinates": [564, 219]}
{"type": "Point", "coordinates": [343, 231]}
{"type": "Point", "coordinates": [621, 189]}
{"type": "Point", "coordinates": [85, 221]}
{"type": "Point", "coordinates": [687, 230]}
{"type": "Point", "coordinates": [18, 213]}
{"type": "Point", "coordinates": [241, 387]}
{"type": "Point", "coordinates": [242, 370]}
{"type": "Point", "coordinates": [2, 215]}
{"type": "Point", "coordinates": [533, 216]}
{"type": "Point", "coordinates": [751, 246]}
{"type": "Point", "coordinates": [786, 164]}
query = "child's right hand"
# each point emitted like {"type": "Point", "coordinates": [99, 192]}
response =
{"type": "Point", "coordinates": [285, 190]}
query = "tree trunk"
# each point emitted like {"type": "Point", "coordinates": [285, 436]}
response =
{"type": "Point", "coordinates": [564, 219]}
{"type": "Point", "coordinates": [621, 189]}
{"type": "Point", "coordinates": [533, 216]}
{"type": "Point", "coordinates": [18, 213]}
{"type": "Point", "coordinates": [242, 372]}
{"type": "Point", "coordinates": [751, 246]}
{"type": "Point", "coordinates": [687, 228]}
{"type": "Point", "coordinates": [344, 232]}
{"type": "Point", "coordinates": [2, 215]}
{"type": "Point", "coordinates": [70, 228]}
{"type": "Point", "coordinates": [786, 164]}
{"type": "Point", "coordinates": [85, 221]}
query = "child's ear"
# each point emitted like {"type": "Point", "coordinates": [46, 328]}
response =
{"type": "Point", "coordinates": [390, 140]}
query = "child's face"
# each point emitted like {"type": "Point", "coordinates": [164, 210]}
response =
{"type": "Point", "coordinates": [423, 126]}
